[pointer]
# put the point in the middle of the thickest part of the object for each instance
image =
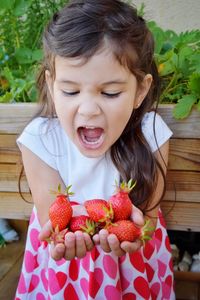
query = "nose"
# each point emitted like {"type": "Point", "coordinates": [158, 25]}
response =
{"type": "Point", "coordinates": [89, 109]}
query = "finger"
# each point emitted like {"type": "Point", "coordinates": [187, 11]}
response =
{"type": "Point", "coordinates": [115, 245]}
{"type": "Point", "coordinates": [70, 246]}
{"type": "Point", "coordinates": [103, 237]}
{"type": "Point", "coordinates": [137, 216]}
{"type": "Point", "coordinates": [80, 244]}
{"type": "Point", "coordinates": [131, 247]}
{"type": "Point", "coordinates": [96, 239]}
{"type": "Point", "coordinates": [45, 231]}
{"type": "Point", "coordinates": [88, 241]}
{"type": "Point", "coordinates": [57, 251]}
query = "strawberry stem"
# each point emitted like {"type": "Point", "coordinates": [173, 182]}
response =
{"type": "Point", "coordinates": [146, 229]}
{"type": "Point", "coordinates": [126, 186]}
{"type": "Point", "coordinates": [59, 191]}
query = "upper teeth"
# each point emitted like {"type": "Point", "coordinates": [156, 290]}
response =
{"type": "Point", "coordinates": [89, 127]}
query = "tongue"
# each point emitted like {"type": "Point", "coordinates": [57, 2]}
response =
{"type": "Point", "coordinates": [92, 134]}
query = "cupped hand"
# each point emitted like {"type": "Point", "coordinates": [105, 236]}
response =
{"type": "Point", "coordinates": [75, 245]}
{"type": "Point", "coordinates": [109, 242]}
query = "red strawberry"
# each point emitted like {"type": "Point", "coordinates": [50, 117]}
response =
{"type": "Point", "coordinates": [60, 212]}
{"type": "Point", "coordinates": [121, 203]}
{"type": "Point", "coordinates": [99, 210]}
{"type": "Point", "coordinates": [83, 223]}
{"type": "Point", "coordinates": [126, 230]}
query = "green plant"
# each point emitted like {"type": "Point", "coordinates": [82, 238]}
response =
{"type": "Point", "coordinates": [178, 61]}
{"type": "Point", "coordinates": [21, 26]}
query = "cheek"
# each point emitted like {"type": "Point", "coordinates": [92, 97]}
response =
{"type": "Point", "coordinates": [123, 113]}
{"type": "Point", "coordinates": [119, 119]}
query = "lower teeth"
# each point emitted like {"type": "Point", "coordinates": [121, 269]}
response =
{"type": "Point", "coordinates": [88, 141]}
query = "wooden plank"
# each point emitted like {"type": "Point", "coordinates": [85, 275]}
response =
{"type": "Point", "coordinates": [187, 290]}
{"type": "Point", "coordinates": [14, 207]}
{"type": "Point", "coordinates": [186, 128]}
{"type": "Point", "coordinates": [9, 256]}
{"type": "Point", "coordinates": [187, 276]}
{"type": "Point", "coordinates": [183, 180]}
{"type": "Point", "coordinates": [11, 185]}
{"type": "Point", "coordinates": [9, 283]}
{"type": "Point", "coordinates": [184, 154]}
{"type": "Point", "coordinates": [10, 267]}
{"type": "Point", "coordinates": [8, 142]}
{"type": "Point", "coordinates": [14, 117]}
{"type": "Point", "coordinates": [10, 157]}
{"type": "Point", "coordinates": [9, 152]}
{"type": "Point", "coordinates": [182, 186]}
{"type": "Point", "coordinates": [9, 178]}
{"type": "Point", "coordinates": [182, 215]}
{"type": "Point", "coordinates": [185, 184]}
{"type": "Point", "coordinates": [182, 196]}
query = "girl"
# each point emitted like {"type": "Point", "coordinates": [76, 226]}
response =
{"type": "Point", "coordinates": [97, 85]}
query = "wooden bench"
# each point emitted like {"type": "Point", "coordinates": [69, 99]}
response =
{"type": "Point", "coordinates": [181, 204]}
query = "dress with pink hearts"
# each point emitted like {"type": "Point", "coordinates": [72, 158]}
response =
{"type": "Point", "coordinates": [146, 274]}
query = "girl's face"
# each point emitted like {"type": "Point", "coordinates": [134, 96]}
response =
{"type": "Point", "coordinates": [94, 100]}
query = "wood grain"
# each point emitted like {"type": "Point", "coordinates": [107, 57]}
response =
{"type": "Point", "coordinates": [14, 207]}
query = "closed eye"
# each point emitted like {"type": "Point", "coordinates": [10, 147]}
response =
{"type": "Point", "coordinates": [111, 95]}
{"type": "Point", "coordinates": [70, 93]}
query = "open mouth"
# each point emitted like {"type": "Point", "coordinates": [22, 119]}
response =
{"type": "Point", "coordinates": [91, 137]}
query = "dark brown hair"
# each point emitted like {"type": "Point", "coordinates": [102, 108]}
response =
{"type": "Point", "coordinates": [79, 30]}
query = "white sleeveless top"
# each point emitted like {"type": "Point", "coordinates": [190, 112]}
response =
{"type": "Point", "coordinates": [50, 143]}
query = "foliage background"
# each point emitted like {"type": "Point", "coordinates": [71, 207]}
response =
{"type": "Point", "coordinates": [21, 26]}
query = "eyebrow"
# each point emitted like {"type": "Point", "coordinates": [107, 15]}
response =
{"type": "Point", "coordinates": [117, 81]}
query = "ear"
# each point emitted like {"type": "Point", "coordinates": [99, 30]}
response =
{"type": "Point", "coordinates": [142, 90]}
{"type": "Point", "coordinates": [49, 82]}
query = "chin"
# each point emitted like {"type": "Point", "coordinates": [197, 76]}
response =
{"type": "Point", "coordinates": [91, 153]}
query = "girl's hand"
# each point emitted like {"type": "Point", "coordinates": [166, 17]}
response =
{"type": "Point", "coordinates": [109, 242]}
{"type": "Point", "coordinates": [76, 244]}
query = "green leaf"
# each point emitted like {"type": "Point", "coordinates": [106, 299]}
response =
{"type": "Point", "coordinates": [37, 55]}
{"type": "Point", "coordinates": [194, 61]}
{"type": "Point", "coordinates": [6, 4]}
{"type": "Point", "coordinates": [32, 93]}
{"type": "Point", "coordinates": [184, 106]}
{"type": "Point", "coordinates": [28, 56]}
{"type": "Point", "coordinates": [168, 63]}
{"type": "Point", "coordinates": [158, 34]}
{"type": "Point", "coordinates": [159, 37]}
{"type": "Point", "coordinates": [7, 97]}
{"type": "Point", "coordinates": [24, 55]}
{"type": "Point", "coordinates": [8, 75]}
{"type": "Point", "coordinates": [198, 105]}
{"type": "Point", "coordinates": [184, 58]}
{"type": "Point", "coordinates": [20, 7]}
{"type": "Point", "coordinates": [194, 84]}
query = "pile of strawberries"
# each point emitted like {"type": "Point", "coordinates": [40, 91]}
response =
{"type": "Point", "coordinates": [112, 215]}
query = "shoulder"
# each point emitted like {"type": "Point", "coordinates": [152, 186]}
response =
{"type": "Point", "coordinates": [155, 130]}
{"type": "Point", "coordinates": [42, 126]}
{"type": "Point", "coordinates": [43, 137]}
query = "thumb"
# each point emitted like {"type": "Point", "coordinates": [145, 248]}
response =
{"type": "Point", "coordinates": [45, 231]}
{"type": "Point", "coordinates": [137, 216]}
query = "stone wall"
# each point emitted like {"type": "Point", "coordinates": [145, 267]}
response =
{"type": "Point", "coordinates": [178, 15]}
